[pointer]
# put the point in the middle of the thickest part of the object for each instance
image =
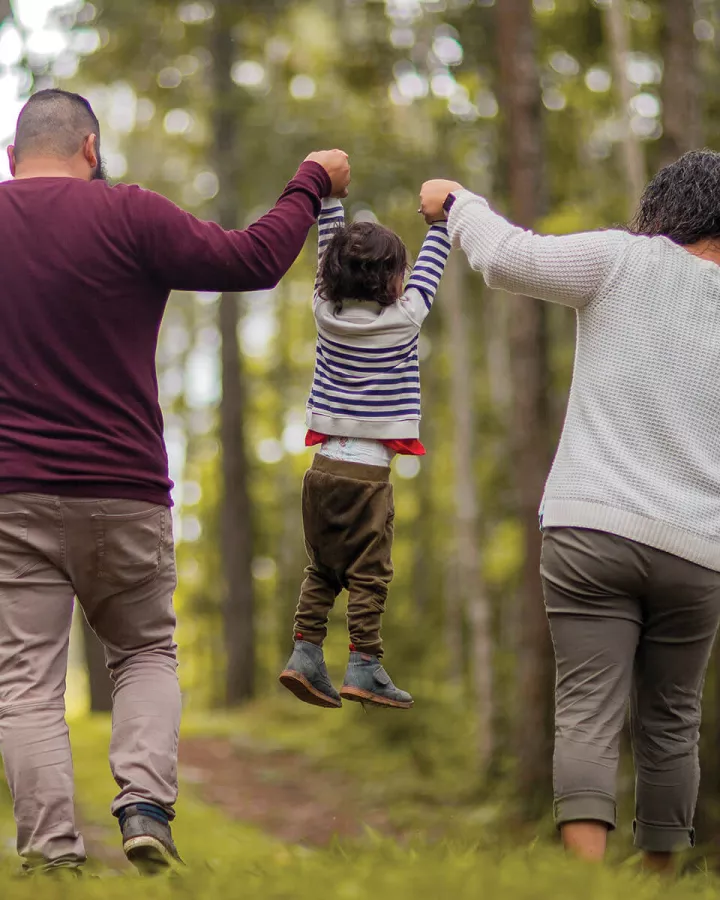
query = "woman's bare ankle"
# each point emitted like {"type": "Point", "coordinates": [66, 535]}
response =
{"type": "Point", "coordinates": [659, 863]}
{"type": "Point", "coordinates": [586, 840]}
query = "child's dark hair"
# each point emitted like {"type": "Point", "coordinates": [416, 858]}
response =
{"type": "Point", "coordinates": [362, 261]}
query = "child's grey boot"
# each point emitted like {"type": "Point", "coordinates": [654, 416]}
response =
{"type": "Point", "coordinates": [367, 682]}
{"type": "Point", "coordinates": [306, 676]}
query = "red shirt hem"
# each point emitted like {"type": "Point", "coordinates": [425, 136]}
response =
{"type": "Point", "coordinates": [402, 446]}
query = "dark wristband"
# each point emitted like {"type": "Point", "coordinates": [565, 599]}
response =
{"type": "Point", "coordinates": [449, 200]}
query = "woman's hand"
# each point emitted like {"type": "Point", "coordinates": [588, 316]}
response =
{"type": "Point", "coordinates": [433, 195]}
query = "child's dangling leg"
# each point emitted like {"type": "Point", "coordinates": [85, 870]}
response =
{"type": "Point", "coordinates": [368, 577]}
{"type": "Point", "coordinates": [305, 674]}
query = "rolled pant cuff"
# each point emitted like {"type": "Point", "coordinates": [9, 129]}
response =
{"type": "Point", "coordinates": [662, 838]}
{"type": "Point", "coordinates": [374, 648]}
{"type": "Point", "coordinates": [312, 637]}
{"type": "Point", "coordinates": [585, 806]}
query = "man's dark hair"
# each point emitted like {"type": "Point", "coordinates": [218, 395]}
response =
{"type": "Point", "coordinates": [682, 202]}
{"type": "Point", "coordinates": [362, 262]}
{"type": "Point", "coordinates": [54, 123]}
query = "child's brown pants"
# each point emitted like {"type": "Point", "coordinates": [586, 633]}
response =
{"type": "Point", "coordinates": [348, 517]}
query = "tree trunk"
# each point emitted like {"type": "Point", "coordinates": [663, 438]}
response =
{"type": "Point", "coordinates": [453, 630]}
{"type": "Point", "coordinates": [496, 324]}
{"type": "Point", "coordinates": [529, 419]}
{"type": "Point", "coordinates": [466, 556]}
{"type": "Point", "coordinates": [681, 82]}
{"type": "Point", "coordinates": [236, 523]}
{"type": "Point", "coordinates": [5, 10]}
{"type": "Point", "coordinates": [291, 554]}
{"type": "Point", "coordinates": [423, 552]}
{"type": "Point", "coordinates": [99, 683]}
{"type": "Point", "coordinates": [618, 37]}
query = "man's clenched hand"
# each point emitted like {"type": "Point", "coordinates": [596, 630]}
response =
{"type": "Point", "coordinates": [337, 165]}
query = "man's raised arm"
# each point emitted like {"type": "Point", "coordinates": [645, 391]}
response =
{"type": "Point", "coordinates": [188, 254]}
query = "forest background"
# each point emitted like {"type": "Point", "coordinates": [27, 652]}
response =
{"type": "Point", "coordinates": [556, 110]}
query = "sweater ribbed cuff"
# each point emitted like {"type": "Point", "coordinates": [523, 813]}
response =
{"type": "Point", "coordinates": [337, 426]}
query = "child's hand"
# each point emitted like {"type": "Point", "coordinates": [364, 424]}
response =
{"type": "Point", "coordinates": [433, 195]}
{"type": "Point", "coordinates": [337, 165]}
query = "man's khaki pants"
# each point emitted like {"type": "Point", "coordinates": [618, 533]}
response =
{"type": "Point", "coordinates": [117, 557]}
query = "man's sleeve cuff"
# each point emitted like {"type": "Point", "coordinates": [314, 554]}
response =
{"type": "Point", "coordinates": [318, 175]}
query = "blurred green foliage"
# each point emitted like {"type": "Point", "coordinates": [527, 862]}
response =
{"type": "Point", "coordinates": [411, 90]}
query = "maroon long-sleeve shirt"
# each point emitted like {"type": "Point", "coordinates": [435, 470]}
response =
{"type": "Point", "coordinates": [85, 273]}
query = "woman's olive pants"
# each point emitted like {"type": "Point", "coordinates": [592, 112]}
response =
{"type": "Point", "coordinates": [629, 624]}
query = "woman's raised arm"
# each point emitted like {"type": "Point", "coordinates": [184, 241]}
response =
{"type": "Point", "coordinates": [570, 269]}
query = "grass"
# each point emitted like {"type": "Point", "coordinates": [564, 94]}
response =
{"type": "Point", "coordinates": [381, 869]}
{"type": "Point", "coordinates": [227, 859]}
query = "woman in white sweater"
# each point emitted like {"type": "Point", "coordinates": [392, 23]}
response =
{"type": "Point", "coordinates": [631, 513]}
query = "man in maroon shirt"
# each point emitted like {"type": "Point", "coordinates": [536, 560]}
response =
{"type": "Point", "coordinates": [84, 487]}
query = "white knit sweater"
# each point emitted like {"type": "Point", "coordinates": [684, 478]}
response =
{"type": "Point", "coordinates": [639, 454]}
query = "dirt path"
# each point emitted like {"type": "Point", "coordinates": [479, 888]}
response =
{"type": "Point", "coordinates": [283, 793]}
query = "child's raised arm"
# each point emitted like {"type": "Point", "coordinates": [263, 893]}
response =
{"type": "Point", "coordinates": [332, 216]}
{"type": "Point", "coordinates": [425, 278]}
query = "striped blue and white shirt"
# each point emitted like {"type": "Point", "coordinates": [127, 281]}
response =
{"type": "Point", "coordinates": [367, 375]}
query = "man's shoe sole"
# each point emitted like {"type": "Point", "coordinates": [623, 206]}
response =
{"type": "Point", "coordinates": [150, 856]}
{"type": "Point", "coordinates": [358, 695]}
{"type": "Point", "coordinates": [299, 685]}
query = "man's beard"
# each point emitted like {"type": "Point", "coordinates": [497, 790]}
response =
{"type": "Point", "coordinates": [100, 172]}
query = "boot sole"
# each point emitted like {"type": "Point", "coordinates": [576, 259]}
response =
{"type": "Point", "coordinates": [150, 856]}
{"type": "Point", "coordinates": [299, 685]}
{"type": "Point", "coordinates": [358, 695]}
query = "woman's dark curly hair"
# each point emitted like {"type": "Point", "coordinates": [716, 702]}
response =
{"type": "Point", "coordinates": [682, 202]}
{"type": "Point", "coordinates": [362, 262]}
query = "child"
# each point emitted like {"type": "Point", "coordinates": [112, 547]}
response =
{"type": "Point", "coordinates": [364, 407]}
